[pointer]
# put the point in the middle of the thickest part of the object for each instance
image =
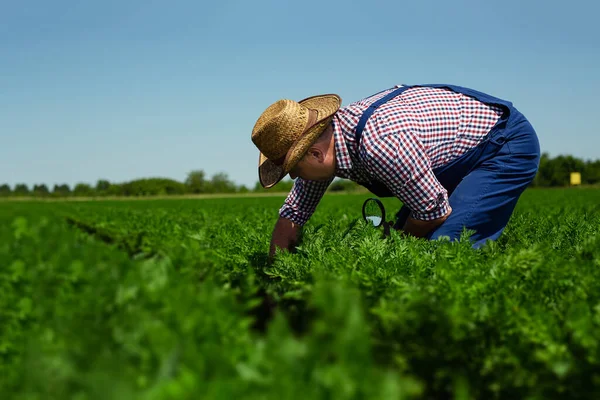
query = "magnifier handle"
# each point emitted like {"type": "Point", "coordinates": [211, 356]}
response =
{"type": "Point", "coordinates": [386, 229]}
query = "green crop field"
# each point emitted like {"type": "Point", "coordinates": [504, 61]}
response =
{"type": "Point", "coordinates": [175, 299]}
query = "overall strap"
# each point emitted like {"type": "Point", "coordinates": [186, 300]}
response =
{"type": "Point", "coordinates": [369, 111]}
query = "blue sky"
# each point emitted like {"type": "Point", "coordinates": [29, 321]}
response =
{"type": "Point", "coordinates": [126, 89]}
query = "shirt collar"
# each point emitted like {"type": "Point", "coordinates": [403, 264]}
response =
{"type": "Point", "coordinates": [342, 156]}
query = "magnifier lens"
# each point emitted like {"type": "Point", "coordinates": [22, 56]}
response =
{"type": "Point", "coordinates": [373, 212]}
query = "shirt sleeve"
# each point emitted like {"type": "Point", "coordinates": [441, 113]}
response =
{"type": "Point", "coordinates": [303, 199]}
{"type": "Point", "coordinates": [400, 162]}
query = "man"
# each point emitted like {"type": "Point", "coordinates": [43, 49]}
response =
{"type": "Point", "coordinates": [456, 158]}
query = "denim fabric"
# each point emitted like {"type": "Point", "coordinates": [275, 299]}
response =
{"type": "Point", "coordinates": [485, 198]}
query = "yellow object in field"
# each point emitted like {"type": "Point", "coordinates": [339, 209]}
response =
{"type": "Point", "coordinates": [575, 178]}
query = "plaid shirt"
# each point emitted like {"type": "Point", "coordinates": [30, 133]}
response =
{"type": "Point", "coordinates": [403, 141]}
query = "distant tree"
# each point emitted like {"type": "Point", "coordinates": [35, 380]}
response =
{"type": "Point", "coordinates": [220, 183]}
{"type": "Point", "coordinates": [243, 189]}
{"type": "Point", "coordinates": [591, 172]}
{"type": "Point", "coordinates": [102, 187]}
{"type": "Point", "coordinates": [285, 185]}
{"type": "Point", "coordinates": [115, 189]}
{"type": "Point", "coordinates": [40, 190]}
{"type": "Point", "coordinates": [83, 190]}
{"type": "Point", "coordinates": [21, 189]}
{"type": "Point", "coordinates": [196, 182]}
{"type": "Point", "coordinates": [562, 168]}
{"type": "Point", "coordinates": [61, 190]}
{"type": "Point", "coordinates": [542, 177]}
{"type": "Point", "coordinates": [556, 171]}
{"type": "Point", "coordinates": [343, 185]}
{"type": "Point", "coordinates": [152, 187]}
{"type": "Point", "coordinates": [337, 187]}
{"type": "Point", "coordinates": [5, 190]}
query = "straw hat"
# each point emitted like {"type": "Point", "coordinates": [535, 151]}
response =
{"type": "Point", "coordinates": [285, 131]}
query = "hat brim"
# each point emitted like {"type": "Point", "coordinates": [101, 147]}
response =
{"type": "Point", "coordinates": [269, 173]}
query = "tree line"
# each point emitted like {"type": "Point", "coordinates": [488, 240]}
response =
{"type": "Point", "coordinates": [556, 172]}
{"type": "Point", "coordinates": [553, 172]}
{"type": "Point", "coordinates": [195, 183]}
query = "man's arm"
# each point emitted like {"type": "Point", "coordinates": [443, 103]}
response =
{"type": "Point", "coordinates": [298, 207]}
{"type": "Point", "coordinates": [285, 235]}
{"type": "Point", "coordinates": [419, 228]}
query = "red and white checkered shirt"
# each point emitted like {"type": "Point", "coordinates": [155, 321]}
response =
{"type": "Point", "coordinates": [402, 142]}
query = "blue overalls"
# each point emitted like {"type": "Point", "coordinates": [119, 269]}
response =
{"type": "Point", "coordinates": [483, 184]}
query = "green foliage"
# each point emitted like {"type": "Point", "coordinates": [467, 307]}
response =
{"type": "Point", "coordinates": [553, 172]}
{"type": "Point", "coordinates": [175, 299]}
{"type": "Point", "coordinates": [82, 189]}
{"type": "Point", "coordinates": [556, 171]}
{"type": "Point", "coordinates": [196, 182]}
{"type": "Point", "coordinates": [285, 185]}
{"type": "Point", "coordinates": [591, 172]}
{"type": "Point", "coordinates": [152, 186]}
{"type": "Point", "coordinates": [41, 190]}
{"type": "Point", "coordinates": [102, 187]}
{"type": "Point", "coordinates": [344, 185]}
{"type": "Point", "coordinates": [5, 190]}
{"type": "Point", "coordinates": [220, 183]}
{"type": "Point", "coordinates": [21, 189]}
{"type": "Point", "coordinates": [61, 190]}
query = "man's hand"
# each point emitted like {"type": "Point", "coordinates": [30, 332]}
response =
{"type": "Point", "coordinates": [285, 236]}
{"type": "Point", "coordinates": [418, 228]}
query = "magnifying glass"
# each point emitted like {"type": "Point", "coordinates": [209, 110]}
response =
{"type": "Point", "coordinates": [374, 212]}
